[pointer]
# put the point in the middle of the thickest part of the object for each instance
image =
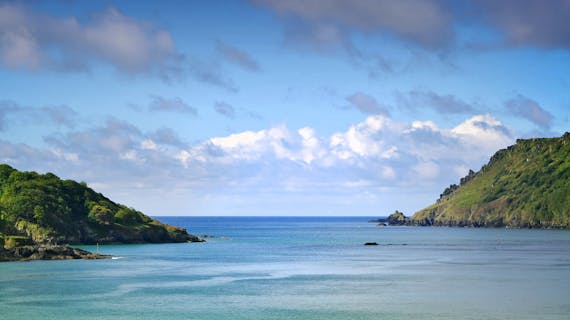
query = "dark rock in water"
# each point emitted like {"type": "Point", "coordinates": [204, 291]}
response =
{"type": "Point", "coordinates": [371, 244]}
{"type": "Point", "coordinates": [203, 237]}
{"type": "Point", "coordinates": [382, 224]}
{"type": "Point", "coordinates": [47, 252]}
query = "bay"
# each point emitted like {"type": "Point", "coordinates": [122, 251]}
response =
{"type": "Point", "coordinates": [304, 268]}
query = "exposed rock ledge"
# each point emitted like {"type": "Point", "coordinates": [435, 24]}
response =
{"type": "Point", "coordinates": [46, 252]}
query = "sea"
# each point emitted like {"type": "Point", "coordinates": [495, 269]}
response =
{"type": "Point", "coordinates": [303, 268]}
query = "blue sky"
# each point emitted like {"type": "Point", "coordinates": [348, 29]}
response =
{"type": "Point", "coordinates": [270, 107]}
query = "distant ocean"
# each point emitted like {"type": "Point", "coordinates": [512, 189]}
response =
{"type": "Point", "coordinates": [304, 268]}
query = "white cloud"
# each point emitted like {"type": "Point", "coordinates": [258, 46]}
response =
{"type": "Point", "coordinates": [364, 140]}
{"type": "Point", "coordinates": [278, 143]}
{"type": "Point", "coordinates": [312, 149]}
{"type": "Point", "coordinates": [34, 40]}
{"type": "Point", "coordinates": [387, 153]}
{"type": "Point", "coordinates": [376, 156]}
{"type": "Point", "coordinates": [482, 131]}
{"type": "Point", "coordinates": [244, 145]}
{"type": "Point", "coordinates": [130, 155]}
{"type": "Point", "coordinates": [418, 125]}
{"type": "Point", "coordinates": [72, 157]}
{"type": "Point", "coordinates": [426, 170]}
{"type": "Point", "coordinates": [388, 172]}
{"type": "Point", "coordinates": [376, 140]}
{"type": "Point", "coordinates": [148, 144]}
{"type": "Point", "coordinates": [460, 171]}
{"type": "Point", "coordinates": [184, 156]}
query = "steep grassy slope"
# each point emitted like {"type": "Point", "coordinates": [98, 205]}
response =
{"type": "Point", "coordinates": [41, 208]}
{"type": "Point", "coordinates": [525, 185]}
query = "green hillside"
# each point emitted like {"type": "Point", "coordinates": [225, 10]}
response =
{"type": "Point", "coordinates": [526, 185]}
{"type": "Point", "coordinates": [41, 208]}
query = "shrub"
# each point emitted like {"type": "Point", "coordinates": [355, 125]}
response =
{"type": "Point", "coordinates": [101, 214]}
{"type": "Point", "coordinates": [128, 217]}
{"type": "Point", "coordinates": [16, 241]}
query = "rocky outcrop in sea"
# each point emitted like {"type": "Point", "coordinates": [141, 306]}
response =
{"type": "Point", "coordinates": [46, 252]}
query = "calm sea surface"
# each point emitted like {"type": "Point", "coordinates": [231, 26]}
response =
{"type": "Point", "coordinates": [304, 268]}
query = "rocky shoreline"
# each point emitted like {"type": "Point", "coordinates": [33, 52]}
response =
{"type": "Point", "coordinates": [46, 252]}
{"type": "Point", "coordinates": [399, 219]}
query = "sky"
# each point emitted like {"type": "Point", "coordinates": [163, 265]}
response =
{"type": "Point", "coordinates": [268, 107]}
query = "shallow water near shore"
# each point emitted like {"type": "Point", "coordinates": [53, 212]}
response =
{"type": "Point", "coordinates": [304, 268]}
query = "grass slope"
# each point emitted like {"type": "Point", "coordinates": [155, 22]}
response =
{"type": "Point", "coordinates": [41, 208]}
{"type": "Point", "coordinates": [525, 185]}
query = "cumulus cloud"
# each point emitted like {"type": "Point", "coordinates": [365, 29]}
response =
{"type": "Point", "coordinates": [277, 143]}
{"type": "Point", "coordinates": [426, 170]}
{"type": "Point", "coordinates": [426, 23]}
{"type": "Point", "coordinates": [375, 156]}
{"type": "Point", "coordinates": [378, 149]}
{"type": "Point", "coordinates": [365, 140]}
{"type": "Point", "coordinates": [366, 104]}
{"type": "Point", "coordinates": [445, 104]}
{"type": "Point", "coordinates": [115, 152]}
{"type": "Point", "coordinates": [237, 56]}
{"type": "Point", "coordinates": [468, 141]}
{"type": "Point", "coordinates": [35, 40]}
{"type": "Point", "coordinates": [483, 133]}
{"type": "Point", "coordinates": [176, 104]}
{"type": "Point", "coordinates": [530, 110]}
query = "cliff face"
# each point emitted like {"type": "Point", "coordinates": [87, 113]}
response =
{"type": "Point", "coordinates": [526, 185]}
{"type": "Point", "coordinates": [41, 208]}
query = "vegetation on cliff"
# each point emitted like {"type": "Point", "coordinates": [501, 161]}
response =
{"type": "Point", "coordinates": [397, 219]}
{"type": "Point", "coordinates": [526, 185]}
{"type": "Point", "coordinates": [42, 208]}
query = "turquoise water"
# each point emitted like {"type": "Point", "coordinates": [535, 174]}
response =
{"type": "Point", "coordinates": [304, 268]}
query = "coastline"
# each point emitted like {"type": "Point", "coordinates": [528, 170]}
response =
{"type": "Point", "coordinates": [47, 252]}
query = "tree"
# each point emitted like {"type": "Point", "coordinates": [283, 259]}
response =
{"type": "Point", "coordinates": [101, 214]}
{"type": "Point", "coordinates": [128, 216]}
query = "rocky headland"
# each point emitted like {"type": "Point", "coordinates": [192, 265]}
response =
{"type": "Point", "coordinates": [41, 215]}
{"type": "Point", "coordinates": [526, 185]}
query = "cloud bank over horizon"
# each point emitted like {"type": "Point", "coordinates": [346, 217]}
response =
{"type": "Point", "coordinates": [378, 154]}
